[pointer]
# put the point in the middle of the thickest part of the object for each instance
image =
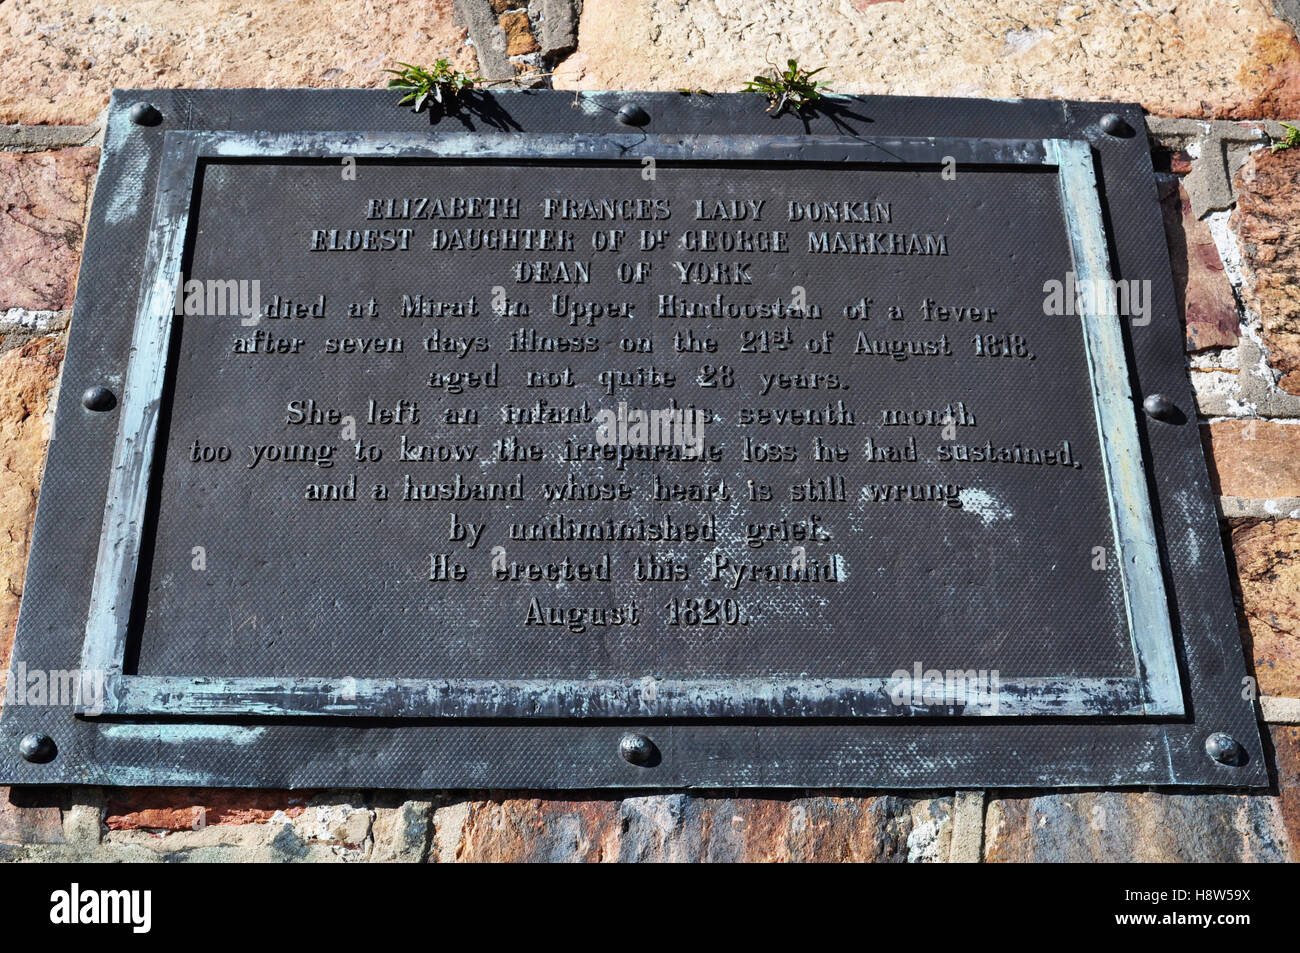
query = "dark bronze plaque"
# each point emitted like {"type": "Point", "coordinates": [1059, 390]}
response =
{"type": "Point", "coordinates": [532, 449]}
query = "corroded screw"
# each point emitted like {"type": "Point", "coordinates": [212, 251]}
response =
{"type": "Point", "coordinates": [98, 397]}
{"type": "Point", "coordinates": [144, 114]}
{"type": "Point", "coordinates": [636, 749]}
{"type": "Point", "coordinates": [630, 114]}
{"type": "Point", "coordinates": [1160, 407]}
{"type": "Point", "coordinates": [37, 748]}
{"type": "Point", "coordinates": [1113, 125]}
{"type": "Point", "coordinates": [1223, 748]}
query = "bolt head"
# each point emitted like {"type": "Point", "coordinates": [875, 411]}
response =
{"type": "Point", "coordinates": [37, 748]}
{"type": "Point", "coordinates": [1113, 125]}
{"type": "Point", "coordinates": [636, 749]}
{"type": "Point", "coordinates": [1223, 748]}
{"type": "Point", "coordinates": [1160, 407]}
{"type": "Point", "coordinates": [145, 114]}
{"type": "Point", "coordinates": [98, 397]}
{"type": "Point", "coordinates": [630, 114]}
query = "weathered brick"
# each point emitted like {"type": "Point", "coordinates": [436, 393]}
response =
{"type": "Point", "coordinates": [1286, 757]}
{"type": "Point", "coordinates": [1267, 557]}
{"type": "Point", "coordinates": [559, 28]}
{"type": "Point", "coordinates": [274, 842]}
{"type": "Point", "coordinates": [679, 827]}
{"type": "Point", "coordinates": [29, 818]}
{"type": "Point", "coordinates": [332, 827]}
{"type": "Point", "coordinates": [1204, 294]}
{"type": "Point", "coordinates": [1267, 221]}
{"type": "Point", "coordinates": [183, 809]}
{"type": "Point", "coordinates": [1251, 458]}
{"type": "Point", "coordinates": [45, 198]}
{"type": "Point", "coordinates": [519, 34]}
{"type": "Point", "coordinates": [73, 53]}
{"type": "Point", "coordinates": [1191, 58]}
{"type": "Point", "coordinates": [401, 833]}
{"type": "Point", "coordinates": [1146, 826]}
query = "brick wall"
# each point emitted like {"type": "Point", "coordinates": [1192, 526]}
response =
{"type": "Point", "coordinates": [1215, 77]}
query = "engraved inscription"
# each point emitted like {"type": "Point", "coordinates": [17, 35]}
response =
{"type": "Point", "coordinates": [568, 422]}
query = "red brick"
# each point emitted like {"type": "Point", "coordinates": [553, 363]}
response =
{"type": "Point", "coordinates": [1204, 294]}
{"type": "Point", "coordinates": [66, 56]}
{"type": "Point", "coordinates": [1267, 221]}
{"type": "Point", "coordinates": [26, 819]}
{"type": "Point", "coordinates": [1286, 755]}
{"type": "Point", "coordinates": [45, 196]}
{"type": "Point", "coordinates": [519, 34]}
{"type": "Point", "coordinates": [678, 827]}
{"type": "Point", "coordinates": [1129, 826]}
{"type": "Point", "coordinates": [183, 809]}
{"type": "Point", "coordinates": [1180, 162]}
{"type": "Point", "coordinates": [1267, 555]}
{"type": "Point", "coordinates": [1255, 459]}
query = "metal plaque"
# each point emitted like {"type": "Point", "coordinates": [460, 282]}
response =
{"type": "Point", "coordinates": [528, 447]}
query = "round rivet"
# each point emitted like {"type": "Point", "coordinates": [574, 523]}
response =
{"type": "Point", "coordinates": [1223, 748]}
{"type": "Point", "coordinates": [1113, 125]}
{"type": "Point", "coordinates": [144, 114]}
{"type": "Point", "coordinates": [98, 397]}
{"type": "Point", "coordinates": [1160, 407]}
{"type": "Point", "coordinates": [636, 749]}
{"type": "Point", "coordinates": [630, 114]}
{"type": "Point", "coordinates": [38, 749]}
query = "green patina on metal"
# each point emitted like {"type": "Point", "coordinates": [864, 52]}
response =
{"type": "Point", "coordinates": [1154, 691]}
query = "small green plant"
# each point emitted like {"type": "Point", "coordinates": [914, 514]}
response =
{"type": "Point", "coordinates": [1290, 141]}
{"type": "Point", "coordinates": [792, 86]}
{"type": "Point", "coordinates": [444, 84]}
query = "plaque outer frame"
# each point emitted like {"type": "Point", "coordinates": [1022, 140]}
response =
{"type": "Point", "coordinates": [243, 743]}
{"type": "Point", "coordinates": [1154, 690]}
